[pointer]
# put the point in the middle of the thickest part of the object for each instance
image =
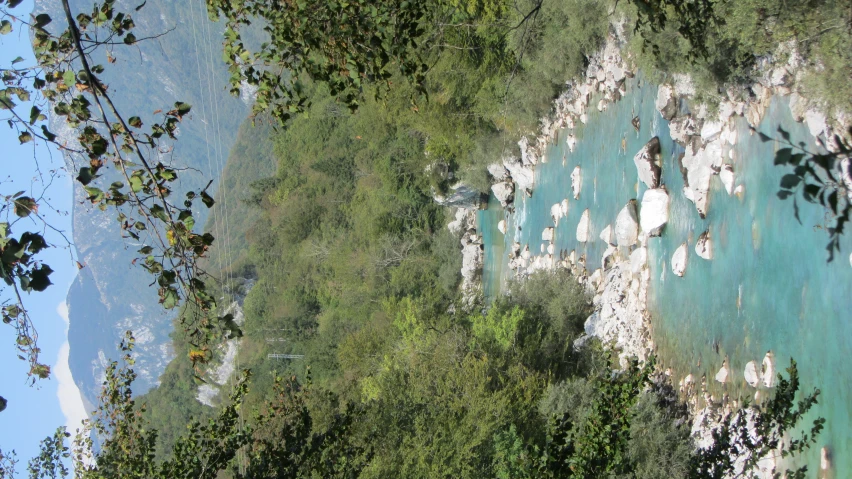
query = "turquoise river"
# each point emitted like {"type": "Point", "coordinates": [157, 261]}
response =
{"type": "Point", "coordinates": [768, 287]}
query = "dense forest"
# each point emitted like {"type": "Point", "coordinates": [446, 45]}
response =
{"type": "Point", "coordinates": [342, 250]}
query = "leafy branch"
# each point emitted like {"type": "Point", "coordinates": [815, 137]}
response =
{"type": "Point", "coordinates": [819, 178]}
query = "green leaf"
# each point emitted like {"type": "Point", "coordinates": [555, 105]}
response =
{"type": "Point", "coordinates": [187, 219]}
{"type": "Point", "coordinates": [130, 39]}
{"type": "Point", "coordinates": [207, 199]}
{"type": "Point", "coordinates": [42, 20]}
{"type": "Point", "coordinates": [17, 60]}
{"type": "Point", "coordinates": [39, 278]}
{"type": "Point", "coordinates": [158, 212]}
{"type": "Point", "coordinates": [24, 206]}
{"type": "Point", "coordinates": [87, 175]}
{"type": "Point", "coordinates": [5, 27]}
{"type": "Point", "coordinates": [35, 115]}
{"type": "Point", "coordinates": [182, 108]}
{"type": "Point", "coordinates": [135, 122]}
{"type": "Point", "coordinates": [169, 298]}
{"type": "Point", "coordinates": [146, 250]}
{"type": "Point", "coordinates": [25, 137]}
{"type": "Point", "coordinates": [69, 78]}
{"type": "Point", "coordinates": [136, 183]}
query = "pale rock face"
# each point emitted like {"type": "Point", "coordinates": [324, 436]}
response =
{"type": "Point", "coordinates": [556, 213]}
{"type": "Point", "coordinates": [627, 226]}
{"type": "Point", "coordinates": [576, 181]}
{"type": "Point", "coordinates": [727, 177]}
{"type": "Point", "coordinates": [729, 135]}
{"type": "Point", "coordinates": [523, 176]}
{"type": "Point", "coordinates": [679, 259]}
{"type": "Point", "coordinates": [798, 106]}
{"type": "Point", "coordinates": [722, 375]}
{"type": "Point", "coordinates": [751, 375]}
{"type": "Point", "coordinates": [564, 207]}
{"type": "Point", "coordinates": [571, 141]}
{"type": "Point", "coordinates": [583, 227]}
{"type": "Point", "coordinates": [683, 85]}
{"type": "Point", "coordinates": [596, 278]}
{"type": "Point", "coordinates": [607, 237]}
{"type": "Point", "coordinates": [666, 102]}
{"type": "Point", "coordinates": [602, 105]}
{"type": "Point", "coordinates": [739, 191]}
{"type": "Point", "coordinates": [611, 250]}
{"type": "Point", "coordinates": [498, 171]}
{"type": "Point", "coordinates": [768, 369]}
{"type": "Point", "coordinates": [816, 122]}
{"type": "Point", "coordinates": [525, 254]}
{"type": "Point", "coordinates": [501, 226]}
{"type": "Point", "coordinates": [683, 127]}
{"type": "Point", "coordinates": [551, 249]}
{"type": "Point", "coordinates": [704, 246]}
{"type": "Point", "coordinates": [700, 166]}
{"type": "Point", "coordinates": [655, 211]}
{"type": "Point", "coordinates": [504, 192]}
{"type": "Point", "coordinates": [638, 259]}
{"type": "Point", "coordinates": [547, 234]}
{"type": "Point", "coordinates": [646, 163]}
{"type": "Point", "coordinates": [711, 130]}
{"type": "Point", "coordinates": [824, 459]}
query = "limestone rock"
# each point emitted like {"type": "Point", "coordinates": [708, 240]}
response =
{"type": "Point", "coordinates": [638, 259]}
{"type": "Point", "coordinates": [666, 102]}
{"type": "Point", "coordinates": [576, 181]}
{"type": "Point", "coordinates": [727, 177]}
{"type": "Point", "coordinates": [751, 375]}
{"type": "Point", "coordinates": [647, 163]}
{"type": "Point", "coordinates": [722, 375]}
{"type": "Point", "coordinates": [704, 246]}
{"type": "Point", "coordinates": [501, 226]}
{"type": "Point", "coordinates": [547, 234]}
{"type": "Point", "coordinates": [556, 213]}
{"type": "Point", "coordinates": [798, 106]}
{"type": "Point", "coordinates": [711, 130]}
{"type": "Point", "coordinates": [739, 191]}
{"type": "Point", "coordinates": [583, 227]}
{"type": "Point", "coordinates": [504, 192]}
{"type": "Point", "coordinates": [682, 128]}
{"type": "Point", "coordinates": [700, 166]}
{"type": "Point", "coordinates": [498, 172]}
{"type": "Point", "coordinates": [571, 141]}
{"type": "Point", "coordinates": [522, 175]}
{"type": "Point", "coordinates": [655, 211]}
{"type": "Point", "coordinates": [626, 225]}
{"type": "Point", "coordinates": [768, 370]}
{"type": "Point", "coordinates": [607, 237]}
{"type": "Point", "coordinates": [816, 122]}
{"type": "Point", "coordinates": [679, 259]}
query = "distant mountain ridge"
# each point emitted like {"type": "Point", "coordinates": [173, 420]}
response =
{"type": "Point", "coordinates": [109, 295]}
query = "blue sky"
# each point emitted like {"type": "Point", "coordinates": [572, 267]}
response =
{"type": "Point", "coordinates": [35, 412]}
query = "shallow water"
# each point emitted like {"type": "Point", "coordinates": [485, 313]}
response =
{"type": "Point", "coordinates": [790, 300]}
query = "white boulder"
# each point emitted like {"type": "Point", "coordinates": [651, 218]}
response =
{"type": "Point", "coordinates": [655, 211]}
{"type": "Point", "coordinates": [704, 246]}
{"type": "Point", "coordinates": [607, 237]}
{"type": "Point", "coordinates": [498, 171]}
{"type": "Point", "coordinates": [627, 226]}
{"type": "Point", "coordinates": [768, 370]}
{"type": "Point", "coordinates": [666, 102]}
{"type": "Point", "coordinates": [647, 163]}
{"type": "Point", "coordinates": [576, 181]}
{"type": "Point", "coordinates": [501, 226]}
{"type": "Point", "coordinates": [547, 234]}
{"type": "Point", "coordinates": [682, 128]}
{"type": "Point", "coordinates": [816, 122]}
{"type": "Point", "coordinates": [583, 227]}
{"type": "Point", "coordinates": [504, 192]}
{"type": "Point", "coordinates": [751, 375]}
{"type": "Point", "coordinates": [727, 177]}
{"type": "Point", "coordinates": [638, 259]}
{"type": "Point", "coordinates": [700, 166]}
{"type": "Point", "coordinates": [679, 259]}
{"type": "Point", "coordinates": [722, 375]}
{"type": "Point", "coordinates": [522, 175]}
{"type": "Point", "coordinates": [556, 213]}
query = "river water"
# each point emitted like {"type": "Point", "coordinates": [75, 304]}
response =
{"type": "Point", "coordinates": [768, 286]}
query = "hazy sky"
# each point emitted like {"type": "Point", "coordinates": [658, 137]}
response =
{"type": "Point", "coordinates": [35, 412]}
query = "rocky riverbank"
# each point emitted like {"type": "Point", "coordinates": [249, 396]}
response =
{"type": "Point", "coordinates": [620, 286]}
